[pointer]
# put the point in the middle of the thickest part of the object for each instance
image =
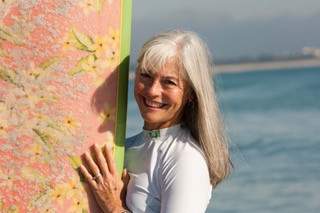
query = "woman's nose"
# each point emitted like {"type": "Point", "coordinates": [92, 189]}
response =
{"type": "Point", "coordinates": [154, 88]}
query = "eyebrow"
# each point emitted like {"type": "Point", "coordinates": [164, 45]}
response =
{"type": "Point", "coordinates": [170, 77]}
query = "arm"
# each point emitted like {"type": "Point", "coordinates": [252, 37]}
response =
{"type": "Point", "coordinates": [186, 185]}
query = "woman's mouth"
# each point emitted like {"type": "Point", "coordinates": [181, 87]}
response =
{"type": "Point", "coordinates": [153, 104]}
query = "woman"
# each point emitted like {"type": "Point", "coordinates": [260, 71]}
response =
{"type": "Point", "coordinates": [181, 153]}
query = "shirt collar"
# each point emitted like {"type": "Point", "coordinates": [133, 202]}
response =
{"type": "Point", "coordinates": [157, 134]}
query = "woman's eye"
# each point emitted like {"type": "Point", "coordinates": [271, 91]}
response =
{"type": "Point", "coordinates": [145, 75]}
{"type": "Point", "coordinates": [170, 82]}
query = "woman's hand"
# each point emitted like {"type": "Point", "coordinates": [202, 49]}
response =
{"type": "Point", "coordinates": [107, 187]}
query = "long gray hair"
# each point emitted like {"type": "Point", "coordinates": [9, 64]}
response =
{"type": "Point", "coordinates": [201, 114]}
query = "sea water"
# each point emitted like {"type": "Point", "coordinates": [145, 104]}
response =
{"type": "Point", "coordinates": [272, 119]}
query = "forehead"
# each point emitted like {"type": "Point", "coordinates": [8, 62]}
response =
{"type": "Point", "coordinates": [168, 69]}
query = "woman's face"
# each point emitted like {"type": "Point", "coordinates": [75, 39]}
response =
{"type": "Point", "coordinates": [161, 96]}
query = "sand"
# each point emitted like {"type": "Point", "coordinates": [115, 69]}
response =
{"type": "Point", "coordinates": [262, 66]}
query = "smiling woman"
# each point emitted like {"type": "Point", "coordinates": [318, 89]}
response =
{"type": "Point", "coordinates": [161, 96]}
{"type": "Point", "coordinates": [181, 154]}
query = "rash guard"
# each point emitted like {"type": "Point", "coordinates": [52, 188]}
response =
{"type": "Point", "coordinates": [168, 172]}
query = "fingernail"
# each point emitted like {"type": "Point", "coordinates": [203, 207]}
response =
{"type": "Point", "coordinates": [108, 147]}
{"type": "Point", "coordinates": [86, 155]}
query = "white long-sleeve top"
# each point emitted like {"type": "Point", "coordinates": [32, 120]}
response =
{"type": "Point", "coordinates": [168, 172]}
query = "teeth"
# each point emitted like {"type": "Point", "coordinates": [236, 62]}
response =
{"type": "Point", "coordinates": [154, 104]}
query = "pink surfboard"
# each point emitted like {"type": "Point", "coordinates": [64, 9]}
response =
{"type": "Point", "coordinates": [63, 86]}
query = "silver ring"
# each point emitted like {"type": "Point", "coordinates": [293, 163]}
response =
{"type": "Point", "coordinates": [96, 177]}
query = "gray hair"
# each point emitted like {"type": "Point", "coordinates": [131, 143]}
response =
{"type": "Point", "coordinates": [201, 115]}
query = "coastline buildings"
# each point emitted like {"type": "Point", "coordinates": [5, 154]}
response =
{"type": "Point", "coordinates": [311, 51]}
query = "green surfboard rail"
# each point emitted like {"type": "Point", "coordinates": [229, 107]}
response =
{"type": "Point", "coordinates": [122, 91]}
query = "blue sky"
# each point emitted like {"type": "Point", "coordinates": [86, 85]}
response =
{"type": "Point", "coordinates": [233, 28]}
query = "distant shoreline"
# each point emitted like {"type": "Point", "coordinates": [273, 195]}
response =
{"type": "Point", "coordinates": [261, 66]}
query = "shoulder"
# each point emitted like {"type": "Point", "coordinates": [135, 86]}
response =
{"type": "Point", "coordinates": [183, 148]}
{"type": "Point", "coordinates": [133, 140]}
{"type": "Point", "coordinates": [185, 181]}
{"type": "Point", "coordinates": [183, 158]}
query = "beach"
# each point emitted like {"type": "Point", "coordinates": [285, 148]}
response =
{"type": "Point", "coordinates": [263, 66]}
{"type": "Point", "coordinates": [260, 66]}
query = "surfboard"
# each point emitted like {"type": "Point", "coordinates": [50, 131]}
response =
{"type": "Point", "coordinates": [63, 87]}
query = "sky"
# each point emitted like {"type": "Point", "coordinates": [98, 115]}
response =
{"type": "Point", "coordinates": [232, 28]}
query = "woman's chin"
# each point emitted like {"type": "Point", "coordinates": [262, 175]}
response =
{"type": "Point", "coordinates": [151, 119]}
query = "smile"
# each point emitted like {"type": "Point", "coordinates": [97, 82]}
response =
{"type": "Point", "coordinates": [153, 104]}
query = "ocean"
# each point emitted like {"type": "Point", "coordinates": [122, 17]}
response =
{"type": "Point", "coordinates": [272, 119]}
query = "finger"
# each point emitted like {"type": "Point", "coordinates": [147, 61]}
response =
{"type": "Point", "coordinates": [88, 176]}
{"type": "Point", "coordinates": [92, 165]}
{"type": "Point", "coordinates": [124, 173]}
{"type": "Point", "coordinates": [125, 177]}
{"type": "Point", "coordinates": [102, 163]}
{"type": "Point", "coordinates": [110, 160]}
{"type": "Point", "coordinates": [125, 180]}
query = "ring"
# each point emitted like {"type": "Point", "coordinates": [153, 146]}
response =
{"type": "Point", "coordinates": [96, 177]}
